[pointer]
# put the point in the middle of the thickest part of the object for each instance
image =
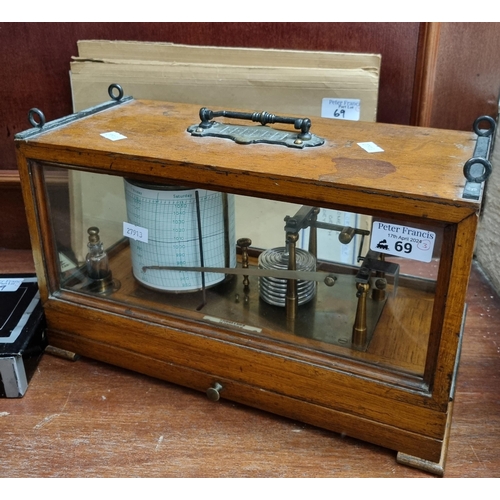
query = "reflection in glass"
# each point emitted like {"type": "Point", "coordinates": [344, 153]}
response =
{"type": "Point", "coordinates": [366, 298]}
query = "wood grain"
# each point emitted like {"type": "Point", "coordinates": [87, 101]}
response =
{"type": "Point", "coordinates": [423, 98]}
{"type": "Point", "coordinates": [453, 81]}
{"type": "Point", "coordinates": [339, 170]}
{"type": "Point", "coordinates": [89, 419]}
{"type": "Point", "coordinates": [13, 225]}
{"type": "Point", "coordinates": [466, 68]}
{"type": "Point", "coordinates": [419, 180]}
{"type": "Point", "coordinates": [45, 50]}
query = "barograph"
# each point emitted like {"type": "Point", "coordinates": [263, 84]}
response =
{"type": "Point", "coordinates": [314, 270]}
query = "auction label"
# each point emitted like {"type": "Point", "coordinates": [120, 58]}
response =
{"type": "Point", "coordinates": [403, 241]}
{"type": "Point", "coordinates": [135, 232]}
{"type": "Point", "coordinates": [341, 109]}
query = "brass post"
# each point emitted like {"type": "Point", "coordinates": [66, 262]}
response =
{"type": "Point", "coordinates": [244, 243]}
{"type": "Point", "coordinates": [359, 330]}
{"type": "Point", "coordinates": [313, 234]}
{"type": "Point", "coordinates": [291, 303]}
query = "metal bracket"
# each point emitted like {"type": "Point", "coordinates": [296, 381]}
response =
{"type": "Point", "coordinates": [478, 168]}
{"type": "Point", "coordinates": [244, 134]}
{"type": "Point", "coordinates": [41, 125]}
{"type": "Point", "coordinates": [372, 263]}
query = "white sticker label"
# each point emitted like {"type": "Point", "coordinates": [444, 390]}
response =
{"type": "Point", "coordinates": [135, 232]}
{"type": "Point", "coordinates": [66, 263]}
{"type": "Point", "coordinates": [113, 136]}
{"type": "Point", "coordinates": [341, 109]}
{"type": "Point", "coordinates": [370, 147]}
{"type": "Point", "coordinates": [10, 285]}
{"type": "Point", "coordinates": [403, 241]}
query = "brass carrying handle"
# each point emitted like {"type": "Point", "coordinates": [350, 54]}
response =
{"type": "Point", "coordinates": [302, 124]}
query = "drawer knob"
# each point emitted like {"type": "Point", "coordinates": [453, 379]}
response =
{"type": "Point", "coordinates": [213, 393]}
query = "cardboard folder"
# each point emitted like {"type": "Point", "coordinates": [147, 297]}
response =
{"type": "Point", "coordinates": [279, 81]}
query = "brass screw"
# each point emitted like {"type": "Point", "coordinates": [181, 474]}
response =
{"type": "Point", "coordinates": [330, 280]}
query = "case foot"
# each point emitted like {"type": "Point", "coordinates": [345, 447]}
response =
{"type": "Point", "coordinates": [436, 468]}
{"type": "Point", "coordinates": [62, 353]}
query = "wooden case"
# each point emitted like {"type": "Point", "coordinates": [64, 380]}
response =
{"type": "Point", "coordinates": [394, 387]}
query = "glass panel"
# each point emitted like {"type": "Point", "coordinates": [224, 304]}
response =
{"type": "Point", "coordinates": [329, 281]}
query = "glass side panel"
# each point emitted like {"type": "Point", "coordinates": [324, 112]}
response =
{"type": "Point", "coordinates": [334, 282]}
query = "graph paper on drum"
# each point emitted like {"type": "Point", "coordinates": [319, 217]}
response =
{"type": "Point", "coordinates": [170, 215]}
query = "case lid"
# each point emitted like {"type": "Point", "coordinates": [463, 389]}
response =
{"type": "Point", "coordinates": [399, 169]}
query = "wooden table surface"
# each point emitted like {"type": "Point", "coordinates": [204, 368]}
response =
{"type": "Point", "coordinates": [89, 419]}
